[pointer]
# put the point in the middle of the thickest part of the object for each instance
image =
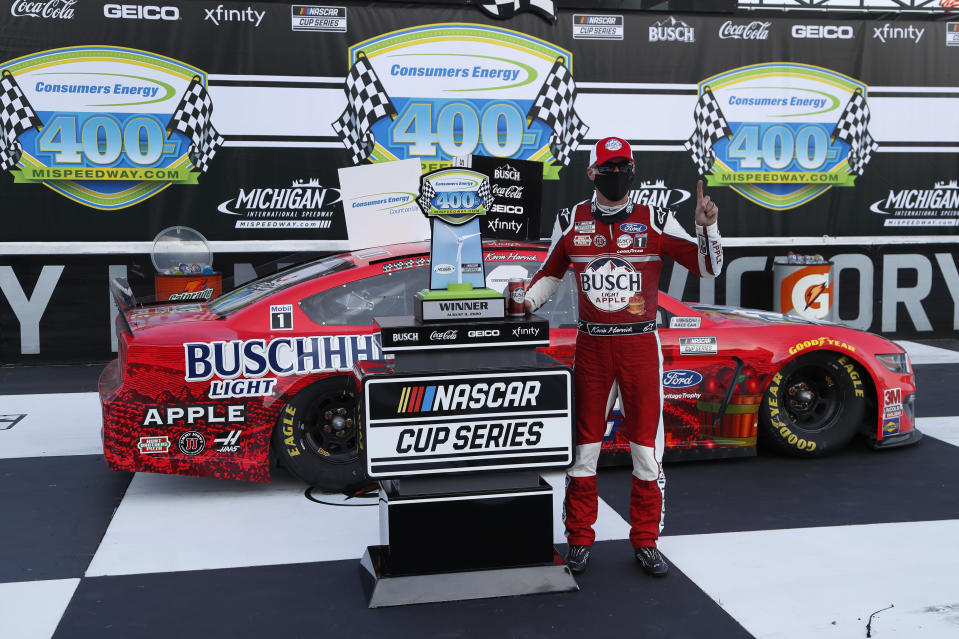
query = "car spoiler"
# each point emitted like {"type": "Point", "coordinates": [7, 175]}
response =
{"type": "Point", "coordinates": [122, 294]}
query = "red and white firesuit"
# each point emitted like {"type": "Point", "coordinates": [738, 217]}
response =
{"type": "Point", "coordinates": [617, 261]}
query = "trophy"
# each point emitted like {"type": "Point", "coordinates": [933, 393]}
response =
{"type": "Point", "coordinates": [454, 199]}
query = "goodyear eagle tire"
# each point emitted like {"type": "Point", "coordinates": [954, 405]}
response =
{"type": "Point", "coordinates": [317, 433]}
{"type": "Point", "coordinates": [814, 405]}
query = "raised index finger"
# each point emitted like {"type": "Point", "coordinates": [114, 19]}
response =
{"type": "Point", "coordinates": [699, 191]}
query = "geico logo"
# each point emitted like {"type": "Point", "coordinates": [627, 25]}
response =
{"type": "Point", "coordinates": [280, 356]}
{"type": "Point", "coordinates": [210, 414]}
{"type": "Point", "coordinates": [823, 31]}
{"type": "Point", "coordinates": [610, 281]}
{"type": "Point", "coordinates": [507, 208]}
{"type": "Point", "coordinates": [488, 333]}
{"type": "Point", "coordinates": [483, 395]}
{"type": "Point", "coordinates": [470, 437]}
{"type": "Point", "coordinates": [138, 12]}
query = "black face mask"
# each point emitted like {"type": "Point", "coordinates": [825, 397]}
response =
{"type": "Point", "coordinates": [613, 186]}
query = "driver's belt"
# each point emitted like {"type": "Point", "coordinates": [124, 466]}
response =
{"type": "Point", "coordinates": [635, 328]}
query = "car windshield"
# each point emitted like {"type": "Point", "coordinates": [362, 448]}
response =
{"type": "Point", "coordinates": [257, 289]}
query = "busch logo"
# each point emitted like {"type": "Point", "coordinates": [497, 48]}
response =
{"type": "Point", "coordinates": [755, 30]}
{"type": "Point", "coordinates": [437, 336]}
{"type": "Point", "coordinates": [406, 337]}
{"type": "Point", "coordinates": [609, 282]}
{"type": "Point", "coordinates": [681, 378]}
{"type": "Point", "coordinates": [62, 9]}
{"type": "Point", "coordinates": [506, 172]}
{"type": "Point", "coordinates": [281, 356]}
{"type": "Point", "coordinates": [672, 30]}
{"type": "Point", "coordinates": [513, 192]}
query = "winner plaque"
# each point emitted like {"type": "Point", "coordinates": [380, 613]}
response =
{"type": "Point", "coordinates": [454, 199]}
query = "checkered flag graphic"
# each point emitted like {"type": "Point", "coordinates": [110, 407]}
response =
{"type": "Point", "coordinates": [192, 118]}
{"type": "Point", "coordinates": [852, 129]}
{"type": "Point", "coordinates": [366, 102]}
{"type": "Point", "coordinates": [427, 193]}
{"type": "Point", "coordinates": [711, 126]}
{"type": "Point", "coordinates": [554, 106]}
{"type": "Point", "coordinates": [16, 116]}
{"type": "Point", "coordinates": [508, 8]}
{"type": "Point", "coordinates": [486, 194]}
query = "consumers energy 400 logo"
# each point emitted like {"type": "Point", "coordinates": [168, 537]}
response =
{"type": "Point", "coordinates": [445, 90]}
{"type": "Point", "coordinates": [107, 127]}
{"type": "Point", "coordinates": [781, 134]}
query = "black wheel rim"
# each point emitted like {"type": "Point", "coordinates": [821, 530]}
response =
{"type": "Point", "coordinates": [331, 424]}
{"type": "Point", "coordinates": [811, 399]}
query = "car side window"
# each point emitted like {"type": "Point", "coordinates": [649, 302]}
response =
{"type": "Point", "coordinates": [357, 303]}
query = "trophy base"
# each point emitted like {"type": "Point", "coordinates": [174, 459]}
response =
{"type": "Point", "coordinates": [459, 302]}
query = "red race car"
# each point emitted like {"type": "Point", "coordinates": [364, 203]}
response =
{"type": "Point", "coordinates": [219, 388]}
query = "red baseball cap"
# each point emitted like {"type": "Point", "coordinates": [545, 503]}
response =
{"type": "Point", "coordinates": [609, 149]}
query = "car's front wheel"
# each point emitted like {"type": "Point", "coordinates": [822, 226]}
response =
{"type": "Point", "coordinates": [317, 433]}
{"type": "Point", "coordinates": [814, 405]}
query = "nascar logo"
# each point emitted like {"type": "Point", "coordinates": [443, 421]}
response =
{"type": "Point", "coordinates": [453, 397]}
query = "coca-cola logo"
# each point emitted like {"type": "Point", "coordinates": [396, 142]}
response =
{"type": "Point", "coordinates": [437, 336]}
{"type": "Point", "coordinates": [681, 378]}
{"type": "Point", "coordinates": [62, 9]}
{"type": "Point", "coordinates": [512, 192]}
{"type": "Point", "coordinates": [754, 30]}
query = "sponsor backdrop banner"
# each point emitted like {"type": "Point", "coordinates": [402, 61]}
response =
{"type": "Point", "coordinates": [801, 125]}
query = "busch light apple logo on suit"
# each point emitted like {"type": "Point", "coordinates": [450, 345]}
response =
{"type": "Point", "coordinates": [609, 282]}
{"type": "Point", "coordinates": [781, 134]}
{"type": "Point", "coordinates": [441, 91]}
{"type": "Point", "coordinates": [107, 127]}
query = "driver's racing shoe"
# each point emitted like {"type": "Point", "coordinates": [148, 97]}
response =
{"type": "Point", "coordinates": [576, 559]}
{"type": "Point", "coordinates": [652, 561]}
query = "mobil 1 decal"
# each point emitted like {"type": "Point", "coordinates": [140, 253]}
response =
{"type": "Point", "coordinates": [440, 91]}
{"type": "Point", "coordinates": [107, 127]}
{"type": "Point", "coordinates": [781, 134]}
{"type": "Point", "coordinates": [459, 423]}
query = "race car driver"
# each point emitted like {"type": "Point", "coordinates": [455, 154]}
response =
{"type": "Point", "coordinates": [615, 247]}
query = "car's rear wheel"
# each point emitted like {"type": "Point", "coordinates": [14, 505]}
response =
{"type": "Point", "coordinates": [317, 434]}
{"type": "Point", "coordinates": [813, 406]}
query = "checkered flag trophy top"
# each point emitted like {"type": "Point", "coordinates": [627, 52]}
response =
{"type": "Point", "coordinates": [554, 106]}
{"type": "Point", "coordinates": [852, 129]}
{"type": "Point", "coordinates": [16, 116]}
{"type": "Point", "coordinates": [366, 102]}
{"type": "Point", "coordinates": [504, 9]}
{"type": "Point", "coordinates": [192, 118]}
{"type": "Point", "coordinates": [711, 126]}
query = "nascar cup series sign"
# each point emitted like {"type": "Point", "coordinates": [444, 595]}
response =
{"type": "Point", "coordinates": [781, 134]}
{"type": "Point", "coordinates": [421, 425]}
{"type": "Point", "coordinates": [447, 90]}
{"type": "Point", "coordinates": [107, 127]}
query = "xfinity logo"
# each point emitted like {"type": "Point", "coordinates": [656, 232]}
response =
{"type": "Point", "coordinates": [62, 9]}
{"type": "Point", "coordinates": [823, 32]}
{"type": "Point", "coordinates": [520, 331]}
{"type": "Point", "coordinates": [218, 15]}
{"type": "Point", "coordinates": [140, 12]}
{"type": "Point", "coordinates": [497, 224]}
{"type": "Point", "coordinates": [889, 32]}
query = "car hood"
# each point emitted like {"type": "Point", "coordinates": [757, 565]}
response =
{"type": "Point", "coordinates": [752, 317]}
